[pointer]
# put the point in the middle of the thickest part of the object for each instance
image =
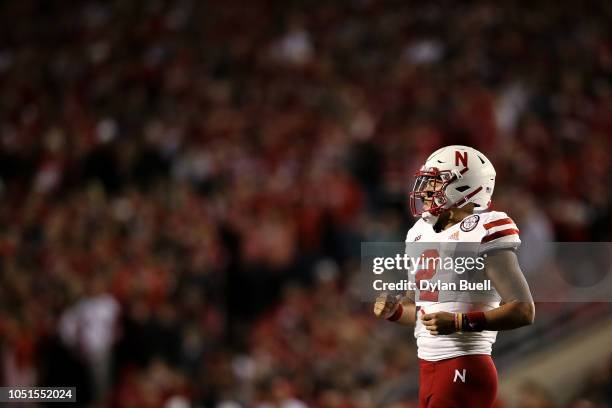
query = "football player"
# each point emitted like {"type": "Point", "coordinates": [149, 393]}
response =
{"type": "Point", "coordinates": [452, 198]}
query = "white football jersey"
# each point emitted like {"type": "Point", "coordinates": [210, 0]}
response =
{"type": "Point", "coordinates": [490, 230]}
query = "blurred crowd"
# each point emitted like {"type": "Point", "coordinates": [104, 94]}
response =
{"type": "Point", "coordinates": [595, 391]}
{"type": "Point", "coordinates": [184, 185]}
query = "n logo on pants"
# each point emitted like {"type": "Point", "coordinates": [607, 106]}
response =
{"type": "Point", "coordinates": [460, 375]}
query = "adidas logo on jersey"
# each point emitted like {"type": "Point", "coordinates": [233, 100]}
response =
{"type": "Point", "coordinates": [454, 235]}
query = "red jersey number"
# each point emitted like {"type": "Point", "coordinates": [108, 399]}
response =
{"type": "Point", "coordinates": [427, 273]}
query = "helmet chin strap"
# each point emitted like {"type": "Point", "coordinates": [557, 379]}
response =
{"type": "Point", "coordinates": [429, 217]}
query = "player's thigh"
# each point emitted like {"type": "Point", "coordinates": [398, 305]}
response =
{"type": "Point", "coordinates": [467, 381]}
{"type": "Point", "coordinates": [426, 382]}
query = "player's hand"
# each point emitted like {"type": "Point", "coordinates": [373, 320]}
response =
{"type": "Point", "coordinates": [386, 304]}
{"type": "Point", "coordinates": [439, 323]}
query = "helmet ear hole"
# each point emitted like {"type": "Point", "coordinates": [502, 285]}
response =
{"type": "Point", "coordinates": [462, 188]}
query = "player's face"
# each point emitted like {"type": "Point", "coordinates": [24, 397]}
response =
{"type": "Point", "coordinates": [429, 189]}
{"type": "Point", "coordinates": [428, 192]}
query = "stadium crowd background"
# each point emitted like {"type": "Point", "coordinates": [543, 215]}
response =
{"type": "Point", "coordinates": [184, 185]}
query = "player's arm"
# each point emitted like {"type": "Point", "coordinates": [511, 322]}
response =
{"type": "Point", "coordinates": [518, 310]}
{"type": "Point", "coordinates": [502, 268]}
{"type": "Point", "coordinates": [396, 308]}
